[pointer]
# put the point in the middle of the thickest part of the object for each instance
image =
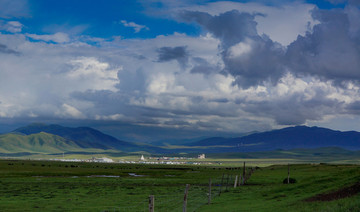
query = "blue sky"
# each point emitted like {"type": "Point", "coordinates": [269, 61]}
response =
{"type": "Point", "coordinates": [100, 19]}
{"type": "Point", "coordinates": [103, 19]}
{"type": "Point", "coordinates": [160, 69]}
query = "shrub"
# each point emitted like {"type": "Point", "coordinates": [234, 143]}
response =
{"type": "Point", "coordinates": [291, 180]}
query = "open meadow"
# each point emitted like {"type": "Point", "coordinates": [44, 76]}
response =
{"type": "Point", "coordinates": [27, 185]}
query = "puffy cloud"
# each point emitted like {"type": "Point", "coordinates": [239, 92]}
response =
{"type": "Point", "coordinates": [137, 27]}
{"type": "Point", "coordinates": [90, 74]}
{"type": "Point", "coordinates": [251, 58]}
{"type": "Point", "coordinates": [295, 101]}
{"type": "Point", "coordinates": [294, 18]}
{"type": "Point", "coordinates": [331, 51]}
{"type": "Point", "coordinates": [41, 79]}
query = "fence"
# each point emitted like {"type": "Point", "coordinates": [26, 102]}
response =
{"type": "Point", "coordinates": [193, 197]}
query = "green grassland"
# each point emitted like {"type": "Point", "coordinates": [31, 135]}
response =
{"type": "Point", "coordinates": [63, 186]}
{"type": "Point", "coordinates": [266, 192]}
{"type": "Point", "coordinates": [40, 143]}
{"type": "Point", "coordinates": [60, 186]}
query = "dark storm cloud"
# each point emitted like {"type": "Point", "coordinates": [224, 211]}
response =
{"type": "Point", "coordinates": [178, 53]}
{"type": "Point", "coordinates": [331, 51]}
{"type": "Point", "coordinates": [4, 49]}
{"type": "Point", "coordinates": [249, 57]}
{"type": "Point", "coordinates": [262, 63]}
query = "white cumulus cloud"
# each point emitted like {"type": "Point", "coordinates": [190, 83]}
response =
{"type": "Point", "coordinates": [91, 74]}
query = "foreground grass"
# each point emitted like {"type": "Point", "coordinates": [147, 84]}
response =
{"type": "Point", "coordinates": [59, 186]}
{"type": "Point", "coordinates": [266, 192]}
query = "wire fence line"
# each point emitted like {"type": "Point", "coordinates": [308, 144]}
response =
{"type": "Point", "coordinates": [198, 195]}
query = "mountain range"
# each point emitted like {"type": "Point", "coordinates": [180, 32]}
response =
{"type": "Point", "coordinates": [48, 139]}
{"type": "Point", "coordinates": [288, 138]}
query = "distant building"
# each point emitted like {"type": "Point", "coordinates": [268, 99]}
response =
{"type": "Point", "coordinates": [102, 160]}
{"type": "Point", "coordinates": [142, 158]}
{"type": "Point", "coordinates": [201, 156]}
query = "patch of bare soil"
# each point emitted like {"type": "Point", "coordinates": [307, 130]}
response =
{"type": "Point", "coordinates": [339, 194]}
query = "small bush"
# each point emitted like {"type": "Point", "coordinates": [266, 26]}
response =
{"type": "Point", "coordinates": [291, 180]}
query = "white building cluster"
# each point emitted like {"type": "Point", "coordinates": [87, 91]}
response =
{"type": "Point", "coordinates": [142, 160]}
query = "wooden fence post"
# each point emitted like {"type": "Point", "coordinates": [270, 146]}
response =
{"type": "Point", "coordinates": [288, 179]}
{"type": "Point", "coordinates": [222, 179]}
{"type": "Point", "coordinates": [151, 203]}
{"type": "Point", "coordinates": [244, 174]}
{"type": "Point", "coordinates": [227, 182]}
{"type": "Point", "coordinates": [209, 198]}
{"type": "Point", "coordinates": [236, 179]}
{"type": "Point", "coordinates": [185, 197]}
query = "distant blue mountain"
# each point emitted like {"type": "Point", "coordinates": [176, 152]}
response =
{"type": "Point", "coordinates": [287, 138]}
{"type": "Point", "coordinates": [84, 137]}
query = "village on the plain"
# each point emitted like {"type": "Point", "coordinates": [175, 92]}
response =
{"type": "Point", "coordinates": [143, 160]}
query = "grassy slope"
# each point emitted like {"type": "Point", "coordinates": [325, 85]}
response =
{"type": "Point", "coordinates": [36, 143]}
{"type": "Point", "coordinates": [265, 191]}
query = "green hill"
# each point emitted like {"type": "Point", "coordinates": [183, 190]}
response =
{"type": "Point", "coordinates": [36, 143]}
{"type": "Point", "coordinates": [84, 137]}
